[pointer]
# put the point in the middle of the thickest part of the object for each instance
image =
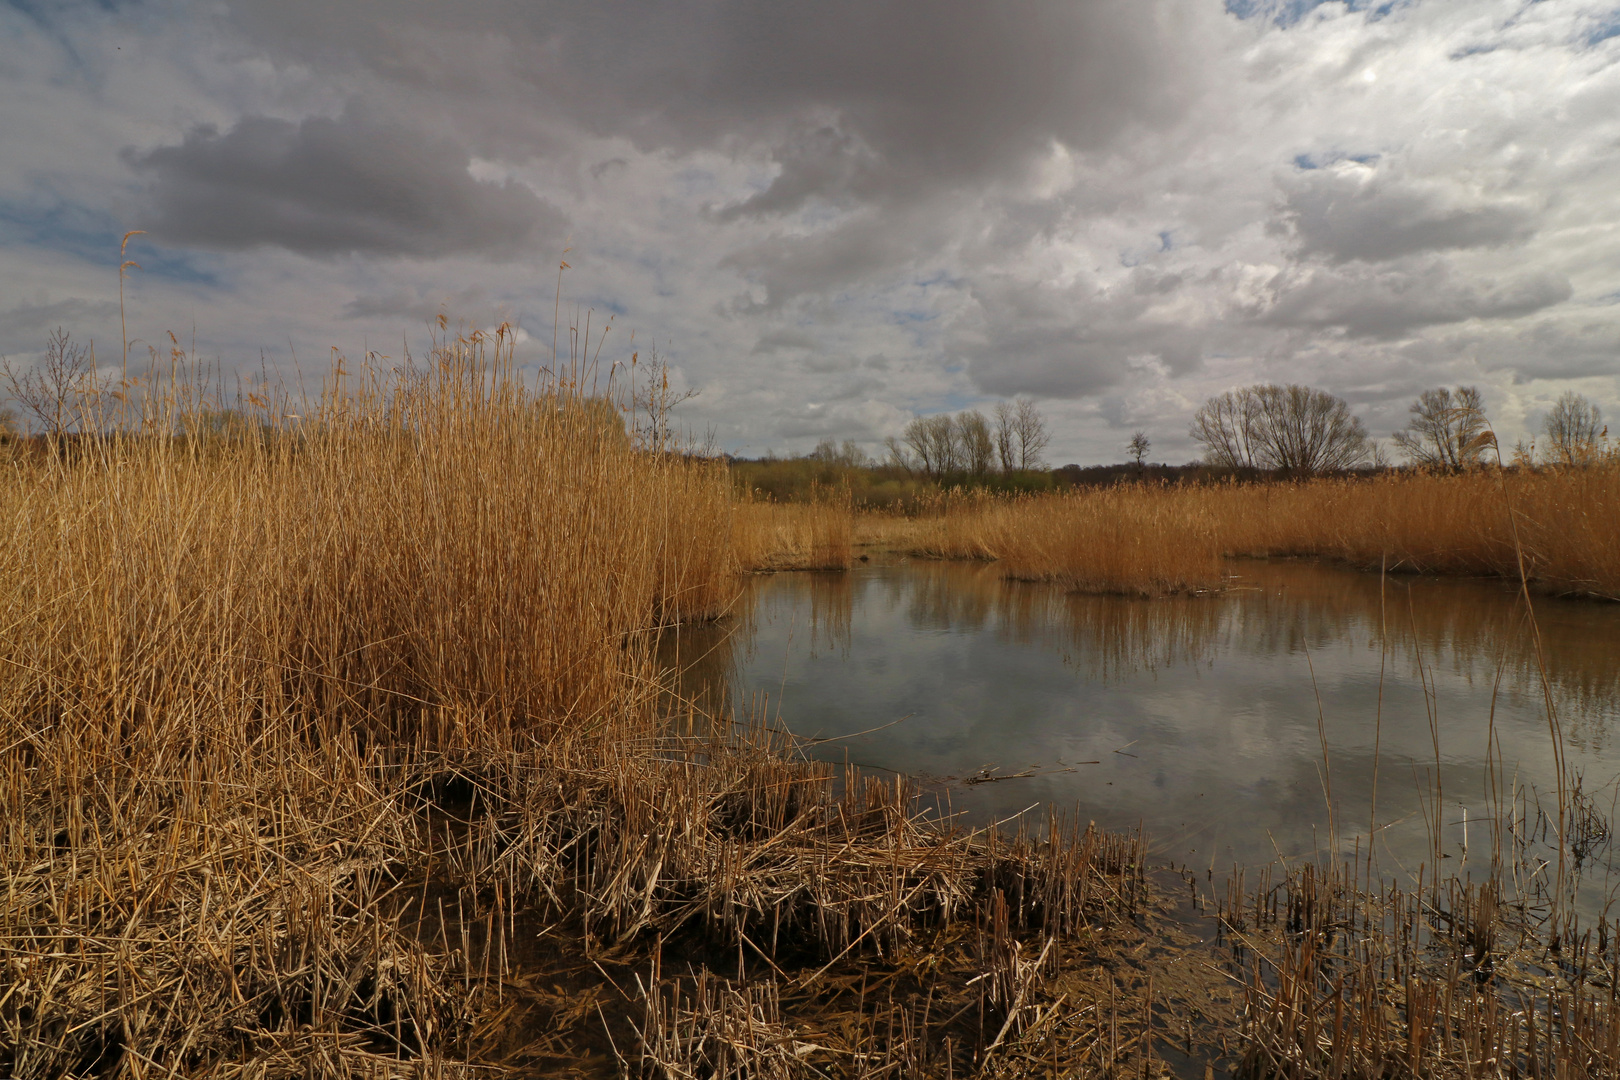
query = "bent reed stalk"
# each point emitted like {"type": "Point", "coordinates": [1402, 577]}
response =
{"type": "Point", "coordinates": [332, 737]}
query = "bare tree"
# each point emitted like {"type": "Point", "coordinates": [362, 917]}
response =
{"type": "Point", "coordinates": [653, 396]}
{"type": "Point", "coordinates": [1029, 434]}
{"type": "Point", "coordinates": [62, 393]}
{"type": "Point", "coordinates": [1309, 431]}
{"type": "Point", "coordinates": [934, 444]}
{"type": "Point", "coordinates": [978, 444]}
{"type": "Point", "coordinates": [946, 435]}
{"type": "Point", "coordinates": [1138, 447]}
{"type": "Point", "coordinates": [1572, 429]}
{"type": "Point", "coordinates": [1006, 442]}
{"type": "Point", "coordinates": [849, 455]}
{"type": "Point", "coordinates": [1447, 430]}
{"type": "Point", "coordinates": [920, 443]}
{"type": "Point", "coordinates": [898, 456]}
{"type": "Point", "coordinates": [1224, 426]}
{"type": "Point", "coordinates": [1293, 428]}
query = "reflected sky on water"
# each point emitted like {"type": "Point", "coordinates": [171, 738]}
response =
{"type": "Point", "coordinates": [1201, 713]}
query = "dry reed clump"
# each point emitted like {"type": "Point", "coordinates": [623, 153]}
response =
{"type": "Point", "coordinates": [1133, 539]}
{"type": "Point", "coordinates": [223, 653]}
{"type": "Point", "coordinates": [303, 717]}
{"type": "Point", "coordinates": [1478, 522]}
{"type": "Point", "coordinates": [1145, 539]}
{"type": "Point", "coordinates": [815, 535]}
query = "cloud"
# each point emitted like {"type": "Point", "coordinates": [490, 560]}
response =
{"type": "Point", "coordinates": [777, 340]}
{"type": "Point", "coordinates": [1390, 301]}
{"type": "Point", "coordinates": [1355, 211]}
{"type": "Point", "coordinates": [327, 187]}
{"type": "Point", "coordinates": [417, 307]}
{"type": "Point", "coordinates": [23, 328]}
{"type": "Point", "coordinates": [1053, 341]}
{"type": "Point", "coordinates": [936, 91]}
{"type": "Point", "coordinates": [1120, 206]}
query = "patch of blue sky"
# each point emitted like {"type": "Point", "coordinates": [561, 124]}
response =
{"type": "Point", "coordinates": [1307, 162]}
{"type": "Point", "coordinates": [938, 277]}
{"type": "Point", "coordinates": [1605, 27]}
{"type": "Point", "coordinates": [44, 12]}
{"type": "Point", "coordinates": [695, 181]}
{"type": "Point", "coordinates": [957, 401]}
{"type": "Point", "coordinates": [94, 238]}
{"type": "Point", "coordinates": [1285, 13]}
{"type": "Point", "coordinates": [912, 316]}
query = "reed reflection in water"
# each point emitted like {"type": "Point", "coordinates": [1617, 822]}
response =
{"type": "Point", "coordinates": [1200, 712]}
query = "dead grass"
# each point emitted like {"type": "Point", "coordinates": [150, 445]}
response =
{"type": "Point", "coordinates": [324, 732]}
{"type": "Point", "coordinates": [225, 659]}
{"type": "Point", "coordinates": [816, 535]}
{"type": "Point", "coordinates": [1150, 540]}
{"type": "Point", "coordinates": [1478, 522]}
{"type": "Point", "coordinates": [1132, 540]}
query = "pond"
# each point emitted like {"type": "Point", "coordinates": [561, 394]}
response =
{"type": "Point", "coordinates": [1226, 726]}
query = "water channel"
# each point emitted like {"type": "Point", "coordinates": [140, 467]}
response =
{"type": "Point", "coordinates": [1219, 724]}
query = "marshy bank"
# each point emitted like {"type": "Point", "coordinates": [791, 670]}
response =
{"type": "Point", "coordinates": [1308, 745]}
{"type": "Point", "coordinates": [336, 741]}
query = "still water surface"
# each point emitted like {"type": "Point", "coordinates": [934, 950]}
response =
{"type": "Point", "coordinates": [1200, 718]}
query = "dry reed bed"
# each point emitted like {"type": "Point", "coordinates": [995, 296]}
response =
{"type": "Point", "coordinates": [222, 656]}
{"type": "Point", "coordinates": [769, 536]}
{"type": "Point", "coordinates": [1153, 540]}
{"type": "Point", "coordinates": [1129, 540]}
{"type": "Point", "coordinates": [1558, 520]}
{"type": "Point", "coordinates": [298, 720]}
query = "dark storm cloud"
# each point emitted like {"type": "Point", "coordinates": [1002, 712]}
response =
{"type": "Point", "coordinates": [1357, 213]}
{"type": "Point", "coordinates": [1390, 301]}
{"type": "Point", "coordinates": [864, 244]}
{"type": "Point", "coordinates": [328, 187]}
{"type": "Point", "coordinates": [852, 96]}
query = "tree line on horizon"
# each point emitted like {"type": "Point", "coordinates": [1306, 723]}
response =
{"type": "Point", "coordinates": [1263, 428]}
{"type": "Point", "coordinates": [1300, 430]}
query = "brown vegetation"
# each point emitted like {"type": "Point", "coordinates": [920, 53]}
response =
{"type": "Point", "coordinates": [812, 535]}
{"type": "Point", "coordinates": [1133, 539]}
{"type": "Point", "coordinates": [336, 744]}
{"type": "Point", "coordinates": [1144, 538]}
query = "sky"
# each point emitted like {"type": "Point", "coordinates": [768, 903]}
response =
{"type": "Point", "coordinates": [831, 218]}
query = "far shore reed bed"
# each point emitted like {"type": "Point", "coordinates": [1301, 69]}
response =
{"type": "Point", "coordinates": [1556, 523]}
{"type": "Point", "coordinates": [817, 535]}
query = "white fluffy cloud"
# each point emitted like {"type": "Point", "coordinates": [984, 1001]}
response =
{"type": "Point", "coordinates": [830, 220]}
